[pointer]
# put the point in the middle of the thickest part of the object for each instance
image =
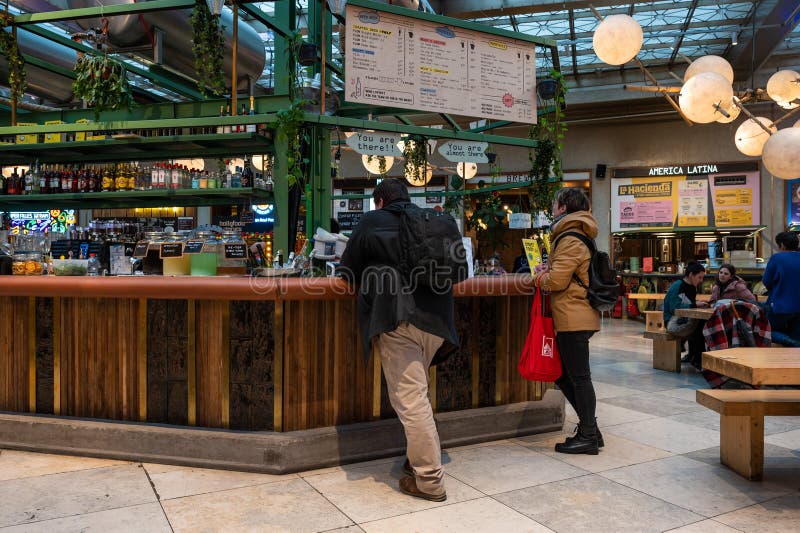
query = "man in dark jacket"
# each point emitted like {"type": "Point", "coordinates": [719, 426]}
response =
{"type": "Point", "coordinates": [406, 325]}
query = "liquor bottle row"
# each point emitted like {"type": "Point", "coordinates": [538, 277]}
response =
{"type": "Point", "coordinates": [142, 176]}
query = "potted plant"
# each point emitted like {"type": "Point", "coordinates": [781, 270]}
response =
{"type": "Point", "coordinates": [103, 83]}
{"type": "Point", "coordinates": [208, 45]}
{"type": "Point", "coordinates": [16, 63]}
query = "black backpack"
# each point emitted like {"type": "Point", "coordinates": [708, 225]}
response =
{"type": "Point", "coordinates": [431, 251]}
{"type": "Point", "coordinates": [603, 289]}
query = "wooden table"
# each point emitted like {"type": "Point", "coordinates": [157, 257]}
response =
{"type": "Point", "coordinates": [756, 366]}
{"type": "Point", "coordinates": [700, 313]}
{"type": "Point", "coordinates": [661, 295]}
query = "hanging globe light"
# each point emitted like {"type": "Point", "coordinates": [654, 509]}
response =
{"type": "Point", "coordinates": [617, 39]}
{"type": "Point", "coordinates": [784, 86]}
{"type": "Point", "coordinates": [709, 64]}
{"type": "Point", "coordinates": [782, 154]}
{"type": "Point", "coordinates": [701, 94]}
{"type": "Point", "coordinates": [419, 179]}
{"type": "Point", "coordinates": [787, 105]}
{"type": "Point", "coordinates": [733, 112]}
{"type": "Point", "coordinates": [797, 124]}
{"type": "Point", "coordinates": [750, 137]}
{"type": "Point", "coordinates": [373, 163]}
{"type": "Point", "coordinates": [467, 170]}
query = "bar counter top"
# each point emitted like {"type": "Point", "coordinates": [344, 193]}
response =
{"type": "Point", "coordinates": [230, 288]}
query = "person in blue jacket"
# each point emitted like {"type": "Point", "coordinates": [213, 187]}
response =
{"type": "Point", "coordinates": [681, 295]}
{"type": "Point", "coordinates": [782, 278]}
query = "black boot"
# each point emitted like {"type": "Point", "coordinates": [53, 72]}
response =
{"type": "Point", "coordinates": [580, 443]}
{"type": "Point", "coordinates": [600, 442]}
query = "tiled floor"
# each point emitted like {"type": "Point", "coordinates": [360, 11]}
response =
{"type": "Point", "coordinates": [659, 471]}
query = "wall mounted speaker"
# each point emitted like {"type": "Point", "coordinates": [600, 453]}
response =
{"type": "Point", "coordinates": [600, 171]}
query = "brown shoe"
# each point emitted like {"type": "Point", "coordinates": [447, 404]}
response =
{"type": "Point", "coordinates": [409, 486]}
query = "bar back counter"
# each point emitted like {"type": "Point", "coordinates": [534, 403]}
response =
{"type": "Point", "coordinates": [256, 374]}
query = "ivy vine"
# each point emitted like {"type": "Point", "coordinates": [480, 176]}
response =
{"type": "Point", "coordinates": [208, 45]}
{"type": "Point", "coordinates": [16, 63]}
{"type": "Point", "coordinates": [488, 220]}
{"type": "Point", "coordinates": [415, 159]}
{"type": "Point", "coordinates": [382, 170]}
{"type": "Point", "coordinates": [102, 81]}
{"type": "Point", "coordinates": [549, 134]}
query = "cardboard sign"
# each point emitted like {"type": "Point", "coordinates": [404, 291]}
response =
{"type": "Point", "coordinates": [140, 250]}
{"type": "Point", "coordinates": [193, 247]}
{"type": "Point", "coordinates": [171, 249]}
{"type": "Point", "coordinates": [236, 251]}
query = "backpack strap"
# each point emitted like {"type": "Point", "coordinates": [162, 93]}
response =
{"type": "Point", "coordinates": [585, 240]}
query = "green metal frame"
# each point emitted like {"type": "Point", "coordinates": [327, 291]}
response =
{"type": "Point", "coordinates": [102, 11]}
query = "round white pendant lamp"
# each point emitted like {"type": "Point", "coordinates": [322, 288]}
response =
{"type": "Point", "coordinates": [797, 124]}
{"type": "Point", "coordinates": [787, 105]}
{"type": "Point", "coordinates": [750, 137]}
{"type": "Point", "coordinates": [467, 170]}
{"type": "Point", "coordinates": [782, 154]}
{"type": "Point", "coordinates": [709, 64]}
{"type": "Point", "coordinates": [421, 179]}
{"type": "Point", "coordinates": [373, 165]}
{"type": "Point", "coordinates": [702, 93]}
{"type": "Point", "coordinates": [784, 86]}
{"type": "Point", "coordinates": [617, 39]}
{"type": "Point", "coordinates": [733, 113]}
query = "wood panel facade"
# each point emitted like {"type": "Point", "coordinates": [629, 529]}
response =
{"type": "Point", "coordinates": [280, 363]}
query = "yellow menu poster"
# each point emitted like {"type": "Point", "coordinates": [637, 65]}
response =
{"type": "Point", "coordinates": [532, 252]}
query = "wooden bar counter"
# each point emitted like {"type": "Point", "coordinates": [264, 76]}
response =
{"type": "Point", "coordinates": [252, 354]}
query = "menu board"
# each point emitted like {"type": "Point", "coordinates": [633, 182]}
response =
{"type": "Point", "coordinates": [401, 61]}
{"type": "Point", "coordinates": [793, 202]}
{"type": "Point", "coordinates": [729, 199]}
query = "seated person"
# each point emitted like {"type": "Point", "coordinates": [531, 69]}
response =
{"type": "Point", "coordinates": [729, 286]}
{"type": "Point", "coordinates": [781, 278]}
{"type": "Point", "coordinates": [521, 264]}
{"type": "Point", "coordinates": [682, 295]}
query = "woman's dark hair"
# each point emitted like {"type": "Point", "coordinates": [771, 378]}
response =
{"type": "Point", "coordinates": [693, 267]}
{"type": "Point", "coordinates": [788, 239]}
{"type": "Point", "coordinates": [729, 267]}
{"type": "Point", "coordinates": [573, 198]}
{"type": "Point", "coordinates": [390, 190]}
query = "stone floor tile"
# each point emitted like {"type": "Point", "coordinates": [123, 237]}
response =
{"type": "Point", "coordinates": [616, 453]}
{"type": "Point", "coordinates": [684, 393]}
{"type": "Point", "coordinates": [627, 367]}
{"type": "Point", "coordinates": [592, 504]}
{"type": "Point", "coordinates": [789, 439]}
{"type": "Point", "coordinates": [366, 464]}
{"type": "Point", "coordinates": [180, 481]}
{"type": "Point", "coordinates": [73, 493]}
{"type": "Point", "coordinates": [372, 493]}
{"type": "Point", "coordinates": [655, 404]}
{"type": "Point", "coordinates": [709, 419]}
{"type": "Point", "coordinates": [666, 434]}
{"type": "Point", "coordinates": [777, 459]}
{"type": "Point", "coordinates": [146, 518]}
{"type": "Point", "coordinates": [607, 390]}
{"type": "Point", "coordinates": [348, 529]}
{"type": "Point", "coordinates": [704, 526]}
{"type": "Point", "coordinates": [610, 415]}
{"type": "Point", "coordinates": [283, 506]}
{"type": "Point", "coordinates": [781, 514]}
{"type": "Point", "coordinates": [704, 489]}
{"type": "Point", "coordinates": [16, 464]}
{"type": "Point", "coordinates": [495, 469]}
{"type": "Point", "coordinates": [484, 514]}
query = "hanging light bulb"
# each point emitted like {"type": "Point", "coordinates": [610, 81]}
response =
{"type": "Point", "coordinates": [420, 179]}
{"type": "Point", "coordinates": [709, 64]}
{"type": "Point", "coordinates": [782, 154]}
{"type": "Point", "coordinates": [750, 137]}
{"type": "Point", "coordinates": [617, 39]}
{"type": "Point", "coordinates": [784, 86]}
{"type": "Point", "coordinates": [733, 112]}
{"type": "Point", "coordinates": [467, 170]}
{"type": "Point", "coordinates": [702, 93]}
{"type": "Point", "coordinates": [373, 163]}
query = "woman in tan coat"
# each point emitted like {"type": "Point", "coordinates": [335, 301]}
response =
{"type": "Point", "coordinates": [574, 318]}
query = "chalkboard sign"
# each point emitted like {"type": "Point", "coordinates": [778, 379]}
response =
{"type": "Point", "coordinates": [236, 251]}
{"type": "Point", "coordinates": [140, 250]}
{"type": "Point", "coordinates": [193, 247]}
{"type": "Point", "coordinates": [348, 221]}
{"type": "Point", "coordinates": [185, 223]}
{"type": "Point", "coordinates": [171, 249]}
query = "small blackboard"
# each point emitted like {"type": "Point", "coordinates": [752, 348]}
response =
{"type": "Point", "coordinates": [236, 251]}
{"type": "Point", "coordinates": [248, 217]}
{"type": "Point", "coordinates": [185, 223]}
{"type": "Point", "coordinates": [171, 249]}
{"type": "Point", "coordinates": [140, 250]}
{"type": "Point", "coordinates": [349, 221]}
{"type": "Point", "coordinates": [193, 247]}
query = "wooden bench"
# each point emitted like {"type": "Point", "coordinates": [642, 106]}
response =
{"type": "Point", "coordinates": [654, 321]}
{"type": "Point", "coordinates": [742, 412]}
{"type": "Point", "coordinates": [666, 350]}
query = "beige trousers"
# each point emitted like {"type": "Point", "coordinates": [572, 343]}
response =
{"type": "Point", "coordinates": [406, 353]}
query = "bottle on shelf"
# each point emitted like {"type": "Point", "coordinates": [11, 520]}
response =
{"type": "Point", "coordinates": [251, 128]}
{"type": "Point", "coordinates": [247, 174]}
{"type": "Point", "coordinates": [93, 267]}
{"type": "Point", "coordinates": [27, 181]}
{"type": "Point", "coordinates": [221, 128]}
{"type": "Point", "coordinates": [227, 128]}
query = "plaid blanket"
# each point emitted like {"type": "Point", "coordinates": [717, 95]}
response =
{"type": "Point", "coordinates": [720, 332]}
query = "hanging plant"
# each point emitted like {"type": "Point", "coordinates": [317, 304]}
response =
{"type": "Point", "coordinates": [546, 162]}
{"type": "Point", "coordinates": [16, 63]}
{"type": "Point", "coordinates": [103, 83]}
{"type": "Point", "coordinates": [452, 203]}
{"type": "Point", "coordinates": [382, 170]}
{"type": "Point", "coordinates": [415, 159]}
{"type": "Point", "coordinates": [488, 220]}
{"type": "Point", "coordinates": [208, 45]}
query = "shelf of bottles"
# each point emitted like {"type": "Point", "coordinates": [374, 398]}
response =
{"type": "Point", "coordinates": [131, 184]}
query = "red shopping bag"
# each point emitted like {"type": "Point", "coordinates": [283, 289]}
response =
{"type": "Point", "coordinates": [540, 360]}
